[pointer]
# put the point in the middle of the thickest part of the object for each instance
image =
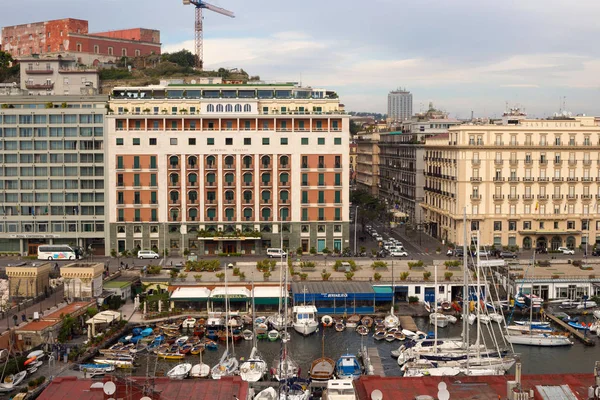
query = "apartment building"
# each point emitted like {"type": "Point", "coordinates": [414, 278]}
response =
{"type": "Point", "coordinates": [526, 183]}
{"type": "Point", "coordinates": [52, 155]}
{"type": "Point", "coordinates": [401, 161]}
{"type": "Point", "coordinates": [367, 162]}
{"type": "Point", "coordinates": [228, 168]}
{"type": "Point", "coordinates": [400, 105]}
{"type": "Point", "coordinates": [41, 75]}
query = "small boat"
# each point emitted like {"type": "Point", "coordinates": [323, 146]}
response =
{"type": "Point", "coordinates": [285, 336]}
{"type": "Point", "coordinates": [390, 336]}
{"type": "Point", "coordinates": [267, 394]}
{"type": "Point", "coordinates": [339, 326]}
{"type": "Point", "coordinates": [326, 320]}
{"type": "Point", "coordinates": [31, 370]}
{"type": "Point", "coordinates": [181, 340]}
{"type": "Point", "coordinates": [247, 334]}
{"type": "Point", "coordinates": [212, 334]}
{"type": "Point", "coordinates": [171, 356]}
{"type": "Point", "coordinates": [186, 348]}
{"type": "Point", "coordinates": [273, 335]}
{"type": "Point", "coordinates": [391, 321]}
{"type": "Point", "coordinates": [446, 305]}
{"type": "Point", "coordinates": [197, 349]}
{"type": "Point", "coordinates": [399, 335]}
{"type": "Point", "coordinates": [539, 339]}
{"type": "Point", "coordinates": [237, 335]}
{"type": "Point", "coordinates": [379, 335]}
{"type": "Point", "coordinates": [484, 319]}
{"type": "Point", "coordinates": [471, 318]}
{"type": "Point", "coordinates": [29, 361]}
{"type": "Point", "coordinates": [15, 379]}
{"type": "Point", "coordinates": [498, 318]}
{"type": "Point", "coordinates": [597, 314]}
{"type": "Point", "coordinates": [585, 304]}
{"type": "Point", "coordinates": [580, 325]}
{"type": "Point", "coordinates": [260, 320]}
{"type": "Point", "coordinates": [254, 369]}
{"type": "Point", "coordinates": [210, 344]}
{"type": "Point", "coordinates": [362, 330]}
{"type": "Point", "coordinates": [534, 324]}
{"type": "Point", "coordinates": [367, 321]}
{"type": "Point", "coordinates": [439, 319]}
{"type": "Point", "coordinates": [228, 366]}
{"type": "Point", "coordinates": [304, 319]}
{"type": "Point", "coordinates": [180, 371]}
{"type": "Point", "coordinates": [35, 353]}
{"type": "Point", "coordinates": [339, 389]}
{"type": "Point", "coordinates": [37, 364]}
{"type": "Point", "coordinates": [322, 369]}
{"type": "Point", "coordinates": [353, 321]}
{"type": "Point", "coordinates": [262, 331]}
{"type": "Point", "coordinates": [378, 321]}
{"type": "Point", "coordinates": [200, 370]}
{"type": "Point", "coordinates": [409, 334]}
{"type": "Point", "coordinates": [94, 368]}
{"type": "Point", "coordinates": [348, 367]}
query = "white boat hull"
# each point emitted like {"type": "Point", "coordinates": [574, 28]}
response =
{"type": "Point", "coordinates": [439, 319]}
{"type": "Point", "coordinates": [306, 328]}
{"type": "Point", "coordinates": [539, 340]}
{"type": "Point", "coordinates": [253, 370]}
{"type": "Point", "coordinates": [200, 371]}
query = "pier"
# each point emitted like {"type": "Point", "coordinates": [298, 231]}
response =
{"type": "Point", "coordinates": [575, 332]}
{"type": "Point", "coordinates": [375, 361]}
{"type": "Point", "coordinates": [407, 322]}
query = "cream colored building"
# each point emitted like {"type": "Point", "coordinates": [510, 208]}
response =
{"type": "Point", "coordinates": [82, 280]}
{"type": "Point", "coordinates": [29, 280]}
{"type": "Point", "coordinates": [523, 183]}
{"type": "Point", "coordinates": [367, 162]}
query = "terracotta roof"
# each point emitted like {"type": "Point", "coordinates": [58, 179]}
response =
{"type": "Point", "coordinates": [467, 387]}
{"type": "Point", "coordinates": [69, 309]}
{"type": "Point", "coordinates": [444, 135]}
{"type": "Point", "coordinates": [36, 326]}
{"type": "Point", "coordinates": [228, 388]}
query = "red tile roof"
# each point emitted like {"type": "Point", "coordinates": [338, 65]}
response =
{"type": "Point", "coordinates": [69, 309]}
{"type": "Point", "coordinates": [35, 326]}
{"type": "Point", "coordinates": [68, 388]}
{"type": "Point", "coordinates": [466, 387]}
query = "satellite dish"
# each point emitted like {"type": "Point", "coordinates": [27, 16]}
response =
{"type": "Point", "coordinates": [193, 82]}
{"type": "Point", "coordinates": [97, 385]}
{"type": "Point", "coordinates": [443, 395]}
{"type": "Point", "coordinates": [110, 388]}
{"type": "Point", "coordinates": [442, 386]}
{"type": "Point", "coordinates": [145, 398]}
{"type": "Point", "coordinates": [376, 395]}
{"type": "Point", "coordinates": [112, 398]}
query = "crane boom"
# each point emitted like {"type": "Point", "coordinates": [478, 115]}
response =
{"type": "Point", "coordinates": [198, 25]}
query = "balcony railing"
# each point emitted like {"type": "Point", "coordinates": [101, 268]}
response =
{"type": "Point", "coordinates": [513, 197]}
{"type": "Point", "coordinates": [475, 179]}
{"type": "Point", "coordinates": [40, 86]}
{"type": "Point", "coordinates": [543, 179]}
{"type": "Point", "coordinates": [542, 196]}
{"type": "Point", "coordinates": [40, 71]}
{"type": "Point", "coordinates": [528, 197]}
{"type": "Point", "coordinates": [498, 197]}
{"type": "Point", "coordinates": [558, 196]}
{"type": "Point", "coordinates": [475, 197]}
{"type": "Point", "coordinates": [571, 196]}
{"type": "Point", "coordinates": [498, 179]}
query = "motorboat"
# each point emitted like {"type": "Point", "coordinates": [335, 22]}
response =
{"type": "Point", "coordinates": [534, 324]}
{"type": "Point", "coordinates": [200, 370]}
{"type": "Point", "coordinates": [367, 321]}
{"type": "Point", "coordinates": [304, 319]}
{"type": "Point", "coordinates": [273, 335]}
{"type": "Point", "coordinates": [247, 334]}
{"type": "Point", "coordinates": [322, 369]}
{"type": "Point", "coordinates": [362, 330]}
{"type": "Point", "coordinates": [261, 330]}
{"type": "Point", "coordinates": [326, 320]}
{"type": "Point", "coordinates": [582, 326]}
{"type": "Point", "coordinates": [94, 368]}
{"type": "Point", "coordinates": [539, 339]}
{"type": "Point", "coordinates": [278, 321]}
{"type": "Point", "coordinates": [267, 394]}
{"type": "Point", "coordinates": [188, 323]}
{"type": "Point", "coordinates": [16, 379]}
{"type": "Point", "coordinates": [254, 368]}
{"type": "Point", "coordinates": [585, 304]}
{"type": "Point", "coordinates": [339, 389]}
{"type": "Point", "coordinates": [439, 319]}
{"type": "Point", "coordinates": [529, 329]}
{"type": "Point", "coordinates": [348, 367]}
{"type": "Point", "coordinates": [180, 371]}
{"type": "Point", "coordinates": [353, 321]}
{"type": "Point", "coordinates": [215, 319]}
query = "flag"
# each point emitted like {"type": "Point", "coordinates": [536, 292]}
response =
{"type": "Point", "coordinates": [18, 209]}
{"type": "Point", "coordinates": [565, 208]}
{"type": "Point", "coordinates": [537, 205]}
{"type": "Point", "coordinates": [32, 209]}
{"type": "Point", "coordinates": [46, 210]}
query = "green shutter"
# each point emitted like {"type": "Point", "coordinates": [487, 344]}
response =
{"type": "Point", "coordinates": [338, 214]}
{"type": "Point", "coordinates": [137, 215]}
{"type": "Point", "coordinates": [210, 178]}
{"type": "Point", "coordinates": [120, 162]}
{"type": "Point", "coordinates": [153, 162]}
{"type": "Point", "coordinates": [153, 180]}
{"type": "Point", "coordinates": [136, 162]}
{"type": "Point", "coordinates": [304, 197]}
{"type": "Point", "coordinates": [321, 214]}
{"type": "Point", "coordinates": [248, 177]}
{"type": "Point", "coordinates": [136, 180]}
{"type": "Point", "coordinates": [153, 214]}
{"type": "Point", "coordinates": [337, 196]}
{"type": "Point", "coordinates": [305, 214]}
{"type": "Point", "coordinates": [153, 197]}
{"type": "Point", "coordinates": [321, 196]}
{"type": "Point", "coordinates": [284, 177]}
{"type": "Point", "coordinates": [211, 213]}
{"type": "Point", "coordinates": [321, 179]}
{"type": "Point", "coordinates": [337, 179]}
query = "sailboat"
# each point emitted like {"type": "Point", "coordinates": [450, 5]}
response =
{"type": "Point", "coordinates": [391, 321]}
{"type": "Point", "coordinates": [255, 368]}
{"type": "Point", "coordinates": [305, 318]}
{"type": "Point", "coordinates": [180, 371]}
{"type": "Point", "coordinates": [228, 365]}
{"type": "Point", "coordinates": [279, 321]}
{"type": "Point", "coordinates": [200, 370]}
{"type": "Point", "coordinates": [322, 368]}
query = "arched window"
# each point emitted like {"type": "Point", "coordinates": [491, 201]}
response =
{"type": "Point", "coordinates": [284, 161]}
{"type": "Point", "coordinates": [266, 213]}
{"type": "Point", "coordinates": [192, 161]}
{"type": "Point", "coordinates": [193, 179]}
{"type": "Point", "coordinates": [229, 213]}
{"type": "Point", "coordinates": [265, 161]}
{"type": "Point", "coordinates": [229, 162]}
{"type": "Point", "coordinates": [211, 213]}
{"type": "Point", "coordinates": [174, 213]}
{"type": "Point", "coordinates": [284, 178]}
{"type": "Point", "coordinates": [229, 196]}
{"type": "Point", "coordinates": [247, 108]}
{"type": "Point", "coordinates": [193, 213]}
{"type": "Point", "coordinates": [247, 196]}
{"type": "Point", "coordinates": [266, 178]}
{"type": "Point", "coordinates": [229, 179]}
{"type": "Point", "coordinates": [174, 196]}
{"type": "Point", "coordinates": [211, 161]}
{"type": "Point", "coordinates": [247, 214]}
{"type": "Point", "coordinates": [238, 108]}
{"type": "Point", "coordinates": [174, 161]}
{"type": "Point", "coordinates": [210, 178]}
{"type": "Point", "coordinates": [284, 196]}
{"type": "Point", "coordinates": [228, 108]}
{"type": "Point", "coordinates": [248, 179]}
{"type": "Point", "coordinates": [247, 161]}
{"type": "Point", "coordinates": [210, 108]}
{"type": "Point", "coordinates": [219, 107]}
{"type": "Point", "coordinates": [284, 213]}
{"type": "Point", "coordinates": [266, 196]}
{"type": "Point", "coordinates": [193, 196]}
{"type": "Point", "coordinates": [174, 179]}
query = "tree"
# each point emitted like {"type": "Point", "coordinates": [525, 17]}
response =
{"type": "Point", "coordinates": [354, 128]}
{"type": "Point", "coordinates": [5, 59]}
{"type": "Point", "coordinates": [183, 58]}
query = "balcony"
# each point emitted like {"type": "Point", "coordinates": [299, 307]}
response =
{"type": "Point", "coordinates": [513, 179]}
{"type": "Point", "coordinates": [528, 179]}
{"type": "Point", "coordinates": [572, 162]}
{"type": "Point", "coordinates": [586, 179]}
{"type": "Point", "coordinates": [39, 86]}
{"type": "Point", "coordinates": [542, 197]}
{"type": "Point", "coordinates": [557, 162]}
{"type": "Point", "coordinates": [498, 179]}
{"type": "Point", "coordinates": [498, 143]}
{"type": "Point", "coordinates": [571, 197]}
{"type": "Point", "coordinates": [513, 197]}
{"type": "Point", "coordinates": [528, 197]}
{"type": "Point", "coordinates": [558, 196]}
{"type": "Point", "coordinates": [498, 162]}
{"type": "Point", "coordinates": [513, 161]}
{"type": "Point", "coordinates": [475, 197]}
{"type": "Point", "coordinates": [544, 162]}
{"type": "Point", "coordinates": [498, 197]}
{"type": "Point", "coordinates": [586, 196]}
{"type": "Point", "coordinates": [543, 179]}
{"type": "Point", "coordinates": [528, 161]}
{"type": "Point", "coordinates": [557, 179]}
{"type": "Point", "coordinates": [571, 179]}
{"type": "Point", "coordinates": [587, 162]}
{"type": "Point", "coordinates": [475, 179]}
{"type": "Point", "coordinates": [476, 161]}
{"type": "Point", "coordinates": [40, 71]}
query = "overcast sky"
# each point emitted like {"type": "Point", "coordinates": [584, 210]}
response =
{"type": "Point", "coordinates": [461, 54]}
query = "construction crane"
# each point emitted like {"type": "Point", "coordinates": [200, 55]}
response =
{"type": "Point", "coordinates": [198, 27]}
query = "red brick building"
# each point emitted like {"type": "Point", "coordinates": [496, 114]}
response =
{"type": "Point", "coordinates": [72, 36]}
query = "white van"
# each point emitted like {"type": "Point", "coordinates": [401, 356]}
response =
{"type": "Point", "coordinates": [147, 254]}
{"type": "Point", "coordinates": [274, 252]}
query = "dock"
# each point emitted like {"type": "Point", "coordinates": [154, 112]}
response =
{"type": "Point", "coordinates": [407, 322]}
{"type": "Point", "coordinates": [375, 361]}
{"type": "Point", "coordinates": [575, 332]}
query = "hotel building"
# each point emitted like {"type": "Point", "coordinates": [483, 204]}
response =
{"type": "Point", "coordinates": [52, 173]}
{"type": "Point", "coordinates": [523, 183]}
{"type": "Point", "coordinates": [221, 168]}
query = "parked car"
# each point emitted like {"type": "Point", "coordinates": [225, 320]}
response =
{"type": "Point", "coordinates": [275, 252]}
{"type": "Point", "coordinates": [507, 254]}
{"type": "Point", "coordinates": [596, 252]}
{"type": "Point", "coordinates": [541, 250]}
{"type": "Point", "coordinates": [459, 252]}
{"type": "Point", "coordinates": [378, 238]}
{"type": "Point", "coordinates": [147, 254]}
{"type": "Point", "coordinates": [450, 252]}
{"type": "Point", "coordinates": [566, 250]}
{"type": "Point", "coordinates": [484, 253]}
{"type": "Point", "coordinates": [398, 253]}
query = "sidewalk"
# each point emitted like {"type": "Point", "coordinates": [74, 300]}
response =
{"type": "Point", "coordinates": [41, 307]}
{"type": "Point", "coordinates": [421, 240]}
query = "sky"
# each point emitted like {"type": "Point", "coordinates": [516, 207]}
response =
{"type": "Point", "coordinates": [462, 55]}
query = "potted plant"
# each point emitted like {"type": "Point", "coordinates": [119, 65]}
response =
{"type": "Point", "coordinates": [313, 251]}
{"type": "Point", "coordinates": [377, 276]}
{"type": "Point", "coordinates": [438, 250]}
{"type": "Point", "coordinates": [221, 276]}
{"type": "Point", "coordinates": [303, 276]}
{"type": "Point", "coordinates": [404, 275]}
{"type": "Point", "coordinates": [426, 275]}
{"type": "Point", "coordinates": [349, 275]}
{"type": "Point", "coordinates": [198, 277]}
{"type": "Point", "coordinates": [325, 275]}
{"type": "Point", "coordinates": [266, 275]}
{"type": "Point", "coordinates": [236, 271]}
{"type": "Point", "coordinates": [242, 276]}
{"type": "Point", "coordinates": [448, 275]}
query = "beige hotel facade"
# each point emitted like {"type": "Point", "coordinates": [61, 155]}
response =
{"type": "Point", "coordinates": [526, 183]}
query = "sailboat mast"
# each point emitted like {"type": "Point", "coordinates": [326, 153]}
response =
{"type": "Point", "coordinates": [531, 296]}
{"type": "Point", "coordinates": [465, 310]}
{"type": "Point", "coordinates": [478, 270]}
{"type": "Point", "coordinates": [435, 326]}
{"type": "Point", "coordinates": [253, 315]}
{"type": "Point", "coordinates": [226, 315]}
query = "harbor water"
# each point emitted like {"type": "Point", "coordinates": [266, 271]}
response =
{"type": "Point", "coordinates": [535, 360]}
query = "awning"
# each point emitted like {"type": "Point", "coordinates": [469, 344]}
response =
{"type": "Point", "coordinates": [104, 317]}
{"type": "Point", "coordinates": [190, 294]}
{"type": "Point", "coordinates": [332, 290]}
{"type": "Point", "coordinates": [268, 295]}
{"type": "Point", "coordinates": [233, 293]}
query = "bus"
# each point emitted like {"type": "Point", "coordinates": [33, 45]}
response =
{"type": "Point", "coordinates": [58, 252]}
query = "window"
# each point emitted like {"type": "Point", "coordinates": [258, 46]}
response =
{"type": "Point", "coordinates": [247, 141]}
{"type": "Point", "coordinates": [321, 141]}
{"type": "Point", "coordinates": [497, 225]}
{"type": "Point", "coordinates": [337, 180]}
{"type": "Point", "coordinates": [337, 141]}
{"type": "Point", "coordinates": [192, 141]}
{"type": "Point", "coordinates": [321, 197]}
{"type": "Point", "coordinates": [120, 162]}
{"type": "Point", "coordinates": [136, 162]}
{"type": "Point", "coordinates": [304, 179]}
{"type": "Point", "coordinates": [210, 141]}
{"type": "Point", "coordinates": [304, 141]}
{"type": "Point", "coordinates": [229, 141]}
{"type": "Point", "coordinates": [119, 141]}
{"type": "Point", "coordinates": [265, 141]}
{"type": "Point", "coordinates": [304, 197]}
{"type": "Point", "coordinates": [173, 141]}
{"type": "Point", "coordinates": [321, 214]}
{"type": "Point", "coordinates": [512, 225]}
{"type": "Point", "coordinates": [284, 141]}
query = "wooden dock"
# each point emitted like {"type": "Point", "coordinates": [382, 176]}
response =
{"type": "Point", "coordinates": [407, 322]}
{"type": "Point", "coordinates": [586, 339]}
{"type": "Point", "coordinates": [375, 361]}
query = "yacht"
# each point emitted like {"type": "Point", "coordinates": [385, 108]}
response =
{"type": "Point", "coordinates": [305, 319]}
{"type": "Point", "coordinates": [339, 389]}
